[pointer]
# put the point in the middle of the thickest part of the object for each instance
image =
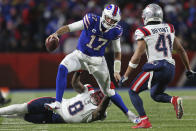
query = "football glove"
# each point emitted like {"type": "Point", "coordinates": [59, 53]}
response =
{"type": "Point", "coordinates": [190, 75]}
{"type": "Point", "coordinates": [122, 80]}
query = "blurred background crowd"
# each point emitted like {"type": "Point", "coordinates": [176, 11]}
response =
{"type": "Point", "coordinates": [24, 24]}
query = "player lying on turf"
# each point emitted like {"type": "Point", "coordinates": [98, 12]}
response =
{"type": "Point", "coordinates": [81, 108]}
{"type": "Point", "coordinates": [158, 40]}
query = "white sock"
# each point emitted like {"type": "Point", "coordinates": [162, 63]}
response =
{"type": "Point", "coordinates": [14, 109]}
{"type": "Point", "coordinates": [131, 115]}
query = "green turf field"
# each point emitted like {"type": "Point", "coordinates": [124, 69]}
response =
{"type": "Point", "coordinates": [162, 116]}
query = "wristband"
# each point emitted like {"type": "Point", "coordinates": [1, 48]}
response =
{"type": "Point", "coordinates": [133, 65]}
{"type": "Point", "coordinates": [117, 66]}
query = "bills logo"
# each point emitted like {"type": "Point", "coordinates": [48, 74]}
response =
{"type": "Point", "coordinates": [109, 7]}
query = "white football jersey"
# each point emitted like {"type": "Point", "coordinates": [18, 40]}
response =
{"type": "Point", "coordinates": [78, 108]}
{"type": "Point", "coordinates": [159, 40]}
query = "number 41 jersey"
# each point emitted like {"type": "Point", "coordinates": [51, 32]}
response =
{"type": "Point", "coordinates": [159, 40]}
{"type": "Point", "coordinates": [93, 41]}
{"type": "Point", "coordinates": [78, 108]}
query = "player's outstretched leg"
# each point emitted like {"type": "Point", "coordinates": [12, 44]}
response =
{"type": "Point", "coordinates": [158, 95]}
{"type": "Point", "coordinates": [61, 84]}
{"type": "Point", "coordinates": [138, 104]}
{"type": "Point", "coordinates": [14, 109]}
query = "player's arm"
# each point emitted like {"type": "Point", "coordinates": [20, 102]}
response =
{"type": "Point", "coordinates": [76, 26]}
{"type": "Point", "coordinates": [117, 58]}
{"type": "Point", "coordinates": [182, 53]}
{"type": "Point", "coordinates": [76, 84]}
{"type": "Point", "coordinates": [135, 59]}
{"type": "Point", "coordinates": [99, 113]}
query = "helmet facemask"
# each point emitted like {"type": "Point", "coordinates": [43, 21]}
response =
{"type": "Point", "coordinates": [97, 97]}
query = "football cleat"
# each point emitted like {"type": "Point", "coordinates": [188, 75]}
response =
{"type": "Point", "coordinates": [177, 103]}
{"type": "Point", "coordinates": [52, 106]}
{"type": "Point", "coordinates": [143, 124]}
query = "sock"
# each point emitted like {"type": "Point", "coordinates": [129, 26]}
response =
{"type": "Point", "coordinates": [117, 100]}
{"type": "Point", "coordinates": [14, 109]}
{"type": "Point", "coordinates": [61, 82]}
{"type": "Point", "coordinates": [137, 102]}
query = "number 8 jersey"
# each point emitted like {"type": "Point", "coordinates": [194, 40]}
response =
{"type": "Point", "coordinates": [159, 40]}
{"type": "Point", "coordinates": [78, 108]}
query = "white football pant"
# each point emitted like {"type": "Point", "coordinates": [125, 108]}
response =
{"type": "Point", "coordinates": [96, 66]}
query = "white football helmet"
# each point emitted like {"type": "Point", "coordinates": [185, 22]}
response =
{"type": "Point", "coordinates": [113, 13]}
{"type": "Point", "coordinates": [152, 12]}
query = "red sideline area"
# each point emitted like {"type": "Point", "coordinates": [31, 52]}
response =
{"type": "Point", "coordinates": [38, 70]}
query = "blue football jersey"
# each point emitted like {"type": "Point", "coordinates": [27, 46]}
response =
{"type": "Point", "coordinates": [92, 40]}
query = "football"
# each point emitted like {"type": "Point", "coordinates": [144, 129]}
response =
{"type": "Point", "coordinates": [51, 44]}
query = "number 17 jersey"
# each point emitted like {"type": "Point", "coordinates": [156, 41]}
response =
{"type": "Point", "coordinates": [159, 40]}
{"type": "Point", "coordinates": [93, 40]}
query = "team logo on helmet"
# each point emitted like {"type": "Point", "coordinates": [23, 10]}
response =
{"type": "Point", "coordinates": [109, 7]}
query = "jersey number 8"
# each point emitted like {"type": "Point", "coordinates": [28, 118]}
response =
{"type": "Point", "coordinates": [75, 108]}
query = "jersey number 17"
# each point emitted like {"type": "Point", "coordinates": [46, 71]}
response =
{"type": "Point", "coordinates": [104, 41]}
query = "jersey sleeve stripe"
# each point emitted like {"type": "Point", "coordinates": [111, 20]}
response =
{"type": "Point", "coordinates": [143, 31]}
{"type": "Point", "coordinates": [85, 23]}
{"type": "Point", "coordinates": [148, 32]}
{"type": "Point", "coordinates": [171, 28]}
{"type": "Point", "coordinates": [88, 22]}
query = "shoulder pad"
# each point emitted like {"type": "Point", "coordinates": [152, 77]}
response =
{"type": "Point", "coordinates": [141, 32]}
{"type": "Point", "coordinates": [89, 19]}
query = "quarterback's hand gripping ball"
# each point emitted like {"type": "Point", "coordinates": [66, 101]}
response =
{"type": "Point", "coordinates": [52, 42]}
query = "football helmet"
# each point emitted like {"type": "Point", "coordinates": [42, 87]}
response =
{"type": "Point", "coordinates": [152, 12]}
{"type": "Point", "coordinates": [110, 16]}
{"type": "Point", "coordinates": [97, 97]}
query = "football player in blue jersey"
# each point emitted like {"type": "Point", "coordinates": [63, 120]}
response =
{"type": "Point", "coordinates": [97, 33]}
